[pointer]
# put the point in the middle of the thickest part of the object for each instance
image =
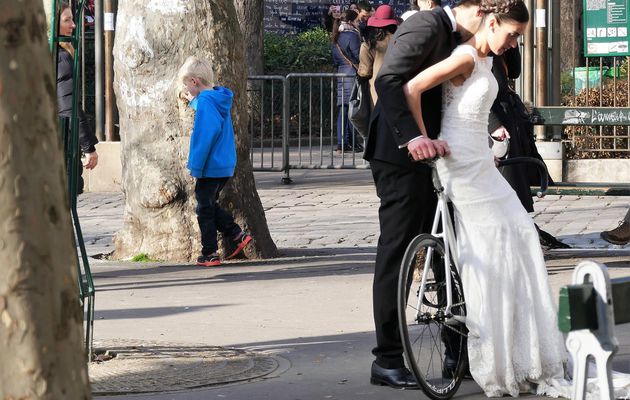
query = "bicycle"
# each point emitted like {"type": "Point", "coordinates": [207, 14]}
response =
{"type": "Point", "coordinates": [432, 308]}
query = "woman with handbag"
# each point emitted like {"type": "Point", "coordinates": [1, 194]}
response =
{"type": "Point", "coordinates": [346, 43]}
{"type": "Point", "coordinates": [511, 126]}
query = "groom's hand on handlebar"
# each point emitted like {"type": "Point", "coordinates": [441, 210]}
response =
{"type": "Point", "coordinates": [425, 148]}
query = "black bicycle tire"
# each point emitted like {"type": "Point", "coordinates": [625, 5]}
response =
{"type": "Point", "coordinates": [423, 240]}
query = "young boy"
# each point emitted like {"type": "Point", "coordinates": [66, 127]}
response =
{"type": "Point", "coordinates": [212, 158]}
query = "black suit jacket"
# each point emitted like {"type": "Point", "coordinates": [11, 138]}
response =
{"type": "Point", "coordinates": [424, 39]}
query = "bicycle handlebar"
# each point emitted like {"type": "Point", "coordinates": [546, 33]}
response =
{"type": "Point", "coordinates": [542, 171]}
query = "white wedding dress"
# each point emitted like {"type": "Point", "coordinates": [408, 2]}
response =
{"type": "Point", "coordinates": [514, 344]}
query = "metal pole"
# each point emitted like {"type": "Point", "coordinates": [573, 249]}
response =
{"type": "Point", "coordinates": [528, 59]}
{"type": "Point", "coordinates": [556, 95]}
{"type": "Point", "coordinates": [98, 69]}
{"type": "Point", "coordinates": [110, 101]}
{"type": "Point", "coordinates": [286, 179]}
{"type": "Point", "coordinates": [541, 60]}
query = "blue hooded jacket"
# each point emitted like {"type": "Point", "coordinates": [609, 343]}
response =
{"type": "Point", "coordinates": [212, 149]}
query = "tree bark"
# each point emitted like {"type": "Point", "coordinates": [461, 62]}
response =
{"type": "Point", "coordinates": [152, 41]}
{"type": "Point", "coordinates": [571, 34]}
{"type": "Point", "coordinates": [250, 17]}
{"type": "Point", "coordinates": [41, 351]}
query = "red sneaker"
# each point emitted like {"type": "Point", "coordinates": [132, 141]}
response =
{"type": "Point", "coordinates": [212, 260]}
{"type": "Point", "coordinates": [241, 242]}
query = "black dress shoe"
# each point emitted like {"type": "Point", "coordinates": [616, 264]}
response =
{"type": "Point", "coordinates": [399, 378]}
{"type": "Point", "coordinates": [549, 241]}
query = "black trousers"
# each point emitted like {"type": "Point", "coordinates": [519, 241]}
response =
{"type": "Point", "coordinates": [407, 208]}
{"type": "Point", "coordinates": [210, 216]}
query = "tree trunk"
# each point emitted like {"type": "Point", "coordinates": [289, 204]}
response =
{"type": "Point", "coordinates": [152, 41]}
{"type": "Point", "coordinates": [41, 351]}
{"type": "Point", "coordinates": [571, 34]}
{"type": "Point", "coordinates": [48, 10]}
{"type": "Point", "coordinates": [250, 17]}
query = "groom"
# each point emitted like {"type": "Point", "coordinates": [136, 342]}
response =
{"type": "Point", "coordinates": [405, 189]}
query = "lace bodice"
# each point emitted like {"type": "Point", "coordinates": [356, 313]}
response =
{"type": "Point", "coordinates": [470, 102]}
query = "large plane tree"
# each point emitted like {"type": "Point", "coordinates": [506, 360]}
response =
{"type": "Point", "coordinates": [41, 351]}
{"type": "Point", "coordinates": [153, 38]}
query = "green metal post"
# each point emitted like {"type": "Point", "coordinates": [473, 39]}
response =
{"type": "Point", "coordinates": [70, 136]}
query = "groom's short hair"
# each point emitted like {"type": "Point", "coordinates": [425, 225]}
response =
{"type": "Point", "coordinates": [457, 3]}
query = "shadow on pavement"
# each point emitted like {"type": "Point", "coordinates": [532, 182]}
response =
{"type": "Point", "coordinates": [110, 276]}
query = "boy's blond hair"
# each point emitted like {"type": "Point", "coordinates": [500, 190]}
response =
{"type": "Point", "coordinates": [197, 68]}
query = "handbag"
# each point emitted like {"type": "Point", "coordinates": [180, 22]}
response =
{"type": "Point", "coordinates": [359, 106]}
{"type": "Point", "coordinates": [360, 102]}
{"type": "Point", "coordinates": [500, 148]}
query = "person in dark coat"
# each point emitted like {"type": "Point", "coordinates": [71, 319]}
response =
{"type": "Point", "coordinates": [65, 86]}
{"type": "Point", "coordinates": [509, 119]}
{"type": "Point", "coordinates": [346, 46]}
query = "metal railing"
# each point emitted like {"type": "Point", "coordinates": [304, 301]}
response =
{"type": "Point", "coordinates": [602, 85]}
{"type": "Point", "coordinates": [293, 124]}
{"type": "Point", "coordinates": [69, 130]}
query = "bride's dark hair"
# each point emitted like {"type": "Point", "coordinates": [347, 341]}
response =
{"type": "Point", "coordinates": [511, 10]}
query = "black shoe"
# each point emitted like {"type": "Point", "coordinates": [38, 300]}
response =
{"type": "Point", "coordinates": [549, 241]}
{"type": "Point", "coordinates": [399, 378]}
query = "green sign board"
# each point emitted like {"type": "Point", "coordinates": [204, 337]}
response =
{"type": "Point", "coordinates": [606, 26]}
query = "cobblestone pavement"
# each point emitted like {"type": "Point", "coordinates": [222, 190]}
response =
{"type": "Point", "coordinates": [319, 212]}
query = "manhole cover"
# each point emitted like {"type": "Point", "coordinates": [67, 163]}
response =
{"type": "Point", "coordinates": [141, 367]}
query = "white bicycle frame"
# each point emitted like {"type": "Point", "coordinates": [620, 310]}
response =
{"type": "Point", "coordinates": [442, 214]}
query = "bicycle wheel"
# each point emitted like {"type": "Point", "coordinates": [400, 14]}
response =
{"type": "Point", "coordinates": [434, 341]}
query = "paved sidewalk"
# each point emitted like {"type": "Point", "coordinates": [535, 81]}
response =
{"type": "Point", "coordinates": [302, 323]}
{"type": "Point", "coordinates": [339, 209]}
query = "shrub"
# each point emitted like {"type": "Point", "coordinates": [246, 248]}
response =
{"type": "Point", "coordinates": [596, 141]}
{"type": "Point", "coordinates": [308, 51]}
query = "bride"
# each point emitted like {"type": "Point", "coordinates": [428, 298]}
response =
{"type": "Point", "coordinates": [514, 344]}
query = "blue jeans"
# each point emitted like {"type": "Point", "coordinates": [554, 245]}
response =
{"type": "Point", "coordinates": [210, 216]}
{"type": "Point", "coordinates": [343, 123]}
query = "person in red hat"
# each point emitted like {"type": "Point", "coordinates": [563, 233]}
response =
{"type": "Point", "coordinates": [380, 29]}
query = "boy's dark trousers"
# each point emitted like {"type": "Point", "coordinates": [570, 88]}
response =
{"type": "Point", "coordinates": [210, 216]}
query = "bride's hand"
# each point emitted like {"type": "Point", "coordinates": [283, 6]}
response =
{"type": "Point", "coordinates": [500, 133]}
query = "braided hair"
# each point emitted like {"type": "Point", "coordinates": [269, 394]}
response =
{"type": "Point", "coordinates": [511, 10]}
